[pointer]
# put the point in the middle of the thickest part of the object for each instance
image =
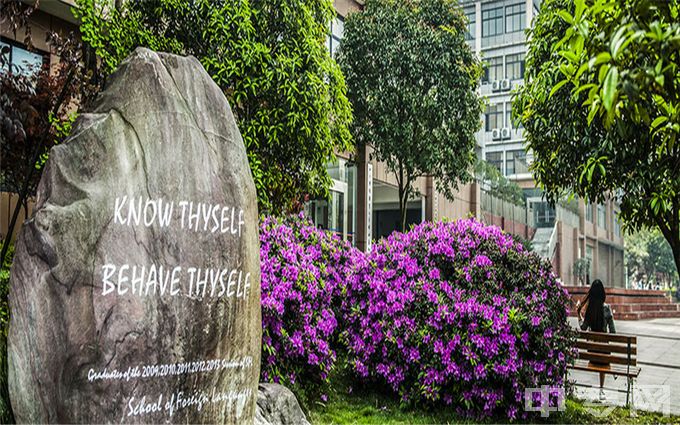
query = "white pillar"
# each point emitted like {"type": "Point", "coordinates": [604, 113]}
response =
{"type": "Point", "coordinates": [369, 207]}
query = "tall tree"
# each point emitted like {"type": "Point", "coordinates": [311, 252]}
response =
{"type": "Point", "coordinates": [601, 105]}
{"type": "Point", "coordinates": [412, 82]}
{"type": "Point", "coordinates": [270, 59]}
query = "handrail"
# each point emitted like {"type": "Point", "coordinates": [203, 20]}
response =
{"type": "Point", "coordinates": [552, 243]}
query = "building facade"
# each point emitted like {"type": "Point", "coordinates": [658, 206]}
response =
{"type": "Point", "coordinates": [578, 238]}
{"type": "Point", "coordinates": [363, 205]}
{"type": "Point", "coordinates": [571, 233]}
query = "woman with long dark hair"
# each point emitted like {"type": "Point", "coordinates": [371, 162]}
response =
{"type": "Point", "coordinates": [598, 318]}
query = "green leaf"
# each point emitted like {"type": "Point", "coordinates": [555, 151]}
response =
{"type": "Point", "coordinates": [583, 88]}
{"type": "Point", "coordinates": [658, 121]}
{"type": "Point", "coordinates": [569, 55]}
{"type": "Point", "coordinates": [557, 87]}
{"type": "Point", "coordinates": [566, 17]}
{"type": "Point", "coordinates": [580, 8]}
{"type": "Point", "coordinates": [618, 39]}
{"type": "Point", "coordinates": [659, 79]}
{"type": "Point", "coordinates": [609, 92]}
{"type": "Point", "coordinates": [601, 58]}
{"type": "Point", "coordinates": [593, 111]}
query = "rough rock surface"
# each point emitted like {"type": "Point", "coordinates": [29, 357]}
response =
{"type": "Point", "coordinates": [277, 405]}
{"type": "Point", "coordinates": [162, 130]}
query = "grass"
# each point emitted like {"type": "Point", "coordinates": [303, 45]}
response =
{"type": "Point", "coordinates": [364, 407]}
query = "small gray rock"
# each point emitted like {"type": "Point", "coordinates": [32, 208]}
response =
{"type": "Point", "coordinates": [277, 405]}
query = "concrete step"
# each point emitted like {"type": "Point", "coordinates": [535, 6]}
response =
{"type": "Point", "coordinates": [583, 290]}
{"type": "Point", "coordinates": [647, 315]}
{"type": "Point", "coordinates": [632, 304]}
{"type": "Point", "coordinates": [632, 308]}
{"type": "Point", "coordinates": [617, 299]}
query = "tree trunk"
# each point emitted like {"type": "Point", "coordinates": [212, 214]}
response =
{"type": "Point", "coordinates": [670, 229]}
{"type": "Point", "coordinates": [402, 208]}
{"type": "Point", "coordinates": [675, 247]}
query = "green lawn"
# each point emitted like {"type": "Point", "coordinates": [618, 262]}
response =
{"type": "Point", "coordinates": [371, 408]}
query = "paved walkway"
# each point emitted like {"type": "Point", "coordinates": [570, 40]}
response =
{"type": "Point", "coordinates": [659, 359]}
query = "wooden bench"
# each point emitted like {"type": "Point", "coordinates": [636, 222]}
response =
{"type": "Point", "coordinates": [619, 350]}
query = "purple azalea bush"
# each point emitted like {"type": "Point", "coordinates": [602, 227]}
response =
{"type": "Point", "coordinates": [457, 313]}
{"type": "Point", "coordinates": [304, 271]}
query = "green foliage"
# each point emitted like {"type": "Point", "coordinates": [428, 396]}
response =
{"type": "Point", "coordinates": [5, 408]}
{"type": "Point", "coordinates": [270, 59]}
{"type": "Point", "coordinates": [412, 81]}
{"type": "Point", "coordinates": [647, 254]}
{"type": "Point", "coordinates": [361, 406]}
{"type": "Point", "coordinates": [600, 106]}
{"type": "Point", "coordinates": [498, 184]}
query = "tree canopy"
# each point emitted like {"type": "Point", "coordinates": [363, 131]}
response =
{"type": "Point", "coordinates": [648, 256]}
{"type": "Point", "coordinates": [270, 59]}
{"type": "Point", "coordinates": [412, 81]}
{"type": "Point", "coordinates": [600, 106]}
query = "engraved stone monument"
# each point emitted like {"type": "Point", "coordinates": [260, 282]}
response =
{"type": "Point", "coordinates": [135, 289]}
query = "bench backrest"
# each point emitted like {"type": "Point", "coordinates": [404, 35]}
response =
{"type": "Point", "coordinates": [602, 347]}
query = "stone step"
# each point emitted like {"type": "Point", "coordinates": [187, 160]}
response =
{"type": "Point", "coordinates": [616, 299]}
{"type": "Point", "coordinates": [631, 300]}
{"type": "Point", "coordinates": [632, 308]}
{"type": "Point", "coordinates": [582, 290]}
{"type": "Point", "coordinates": [648, 315]}
{"type": "Point", "coordinates": [632, 304]}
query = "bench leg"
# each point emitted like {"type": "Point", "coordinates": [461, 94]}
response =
{"type": "Point", "coordinates": [631, 387]}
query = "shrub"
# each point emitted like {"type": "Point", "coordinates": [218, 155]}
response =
{"type": "Point", "coordinates": [5, 408]}
{"type": "Point", "coordinates": [304, 270]}
{"type": "Point", "coordinates": [458, 312]}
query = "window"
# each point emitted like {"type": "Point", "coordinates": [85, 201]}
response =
{"type": "Point", "coordinates": [602, 216]}
{"type": "Point", "coordinates": [494, 116]}
{"type": "Point", "coordinates": [617, 225]}
{"type": "Point", "coordinates": [514, 66]}
{"type": "Point", "coordinates": [509, 122]}
{"type": "Point", "coordinates": [17, 59]}
{"type": "Point", "coordinates": [516, 162]}
{"type": "Point", "coordinates": [470, 34]}
{"type": "Point", "coordinates": [514, 18]}
{"type": "Point", "coordinates": [492, 22]}
{"type": "Point", "coordinates": [337, 30]}
{"type": "Point", "coordinates": [495, 159]}
{"type": "Point", "coordinates": [589, 257]}
{"type": "Point", "coordinates": [493, 69]}
{"type": "Point", "coordinates": [589, 212]}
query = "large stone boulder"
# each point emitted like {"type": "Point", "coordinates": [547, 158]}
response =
{"type": "Point", "coordinates": [135, 288]}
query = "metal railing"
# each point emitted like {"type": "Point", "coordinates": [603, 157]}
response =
{"type": "Point", "coordinates": [567, 217]}
{"type": "Point", "coordinates": [552, 243]}
{"type": "Point", "coordinates": [502, 208]}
